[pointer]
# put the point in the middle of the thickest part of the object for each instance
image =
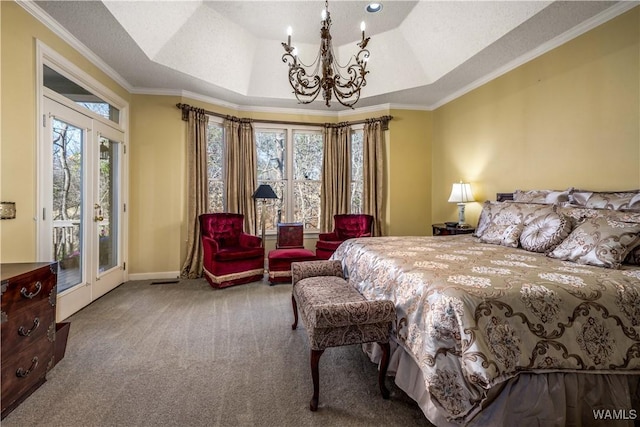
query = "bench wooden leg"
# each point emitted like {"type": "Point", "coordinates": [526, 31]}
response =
{"type": "Point", "coordinates": [315, 359]}
{"type": "Point", "coordinates": [295, 312]}
{"type": "Point", "coordinates": [384, 364]}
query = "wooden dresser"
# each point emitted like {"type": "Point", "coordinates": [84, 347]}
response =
{"type": "Point", "coordinates": [28, 320]}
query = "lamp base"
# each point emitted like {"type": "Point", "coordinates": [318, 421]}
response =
{"type": "Point", "coordinates": [461, 223]}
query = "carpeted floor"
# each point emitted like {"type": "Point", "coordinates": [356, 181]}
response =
{"type": "Point", "coordinates": [184, 354]}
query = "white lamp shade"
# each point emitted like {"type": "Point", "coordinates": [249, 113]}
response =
{"type": "Point", "coordinates": [461, 193]}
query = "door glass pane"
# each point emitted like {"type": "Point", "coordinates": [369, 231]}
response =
{"type": "Point", "coordinates": [106, 214]}
{"type": "Point", "coordinates": [67, 202]}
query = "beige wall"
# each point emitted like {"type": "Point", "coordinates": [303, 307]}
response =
{"type": "Point", "coordinates": [568, 118]}
{"type": "Point", "coordinates": [19, 31]}
{"type": "Point", "coordinates": [156, 184]}
{"type": "Point", "coordinates": [409, 173]}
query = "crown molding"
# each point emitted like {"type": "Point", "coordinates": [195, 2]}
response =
{"type": "Point", "coordinates": [46, 19]}
{"type": "Point", "coordinates": [273, 110]}
{"type": "Point", "coordinates": [410, 107]}
{"type": "Point", "coordinates": [563, 38]}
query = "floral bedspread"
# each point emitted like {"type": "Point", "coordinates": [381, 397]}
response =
{"type": "Point", "coordinates": [473, 314]}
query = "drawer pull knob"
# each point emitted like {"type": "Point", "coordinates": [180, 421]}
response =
{"type": "Point", "coordinates": [25, 333]}
{"type": "Point", "coordinates": [21, 373]}
{"type": "Point", "coordinates": [30, 295]}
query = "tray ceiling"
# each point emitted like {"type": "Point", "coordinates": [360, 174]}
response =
{"type": "Point", "coordinates": [423, 53]}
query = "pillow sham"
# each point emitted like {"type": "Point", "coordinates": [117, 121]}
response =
{"type": "Point", "coordinates": [542, 196]}
{"type": "Point", "coordinates": [580, 213]}
{"type": "Point", "coordinates": [599, 241]}
{"type": "Point", "coordinates": [545, 232]}
{"type": "Point", "coordinates": [508, 213]}
{"type": "Point", "coordinates": [606, 200]}
{"type": "Point", "coordinates": [503, 234]}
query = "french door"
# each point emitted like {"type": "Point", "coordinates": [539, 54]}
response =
{"type": "Point", "coordinates": [81, 223]}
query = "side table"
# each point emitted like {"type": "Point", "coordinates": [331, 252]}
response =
{"type": "Point", "coordinates": [444, 230]}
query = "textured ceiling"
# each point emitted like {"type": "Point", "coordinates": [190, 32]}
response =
{"type": "Point", "coordinates": [423, 53]}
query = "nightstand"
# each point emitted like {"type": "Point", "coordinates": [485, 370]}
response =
{"type": "Point", "coordinates": [443, 230]}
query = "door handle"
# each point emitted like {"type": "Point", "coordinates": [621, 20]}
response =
{"type": "Point", "coordinates": [98, 218]}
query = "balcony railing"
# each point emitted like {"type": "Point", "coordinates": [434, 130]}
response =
{"type": "Point", "coordinates": [67, 251]}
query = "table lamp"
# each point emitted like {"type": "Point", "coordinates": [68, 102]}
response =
{"type": "Point", "coordinates": [461, 194]}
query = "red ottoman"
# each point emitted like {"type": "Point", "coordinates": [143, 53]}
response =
{"type": "Point", "coordinates": [280, 263]}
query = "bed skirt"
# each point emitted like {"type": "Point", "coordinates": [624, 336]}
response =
{"type": "Point", "coordinates": [549, 399]}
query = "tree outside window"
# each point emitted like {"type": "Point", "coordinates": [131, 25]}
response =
{"type": "Point", "coordinates": [307, 176]}
{"type": "Point", "coordinates": [215, 166]}
{"type": "Point", "coordinates": [290, 160]}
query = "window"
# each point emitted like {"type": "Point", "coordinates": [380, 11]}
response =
{"type": "Point", "coordinates": [215, 165]}
{"type": "Point", "coordinates": [307, 178]}
{"type": "Point", "coordinates": [290, 160]}
{"type": "Point", "coordinates": [81, 96]}
{"type": "Point", "coordinates": [357, 176]}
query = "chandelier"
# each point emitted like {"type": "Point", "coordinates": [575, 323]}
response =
{"type": "Point", "coordinates": [325, 74]}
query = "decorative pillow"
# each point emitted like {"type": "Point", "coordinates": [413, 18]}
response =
{"type": "Point", "coordinates": [542, 196]}
{"type": "Point", "coordinates": [599, 241]}
{"type": "Point", "coordinates": [508, 213]}
{"type": "Point", "coordinates": [505, 235]}
{"type": "Point", "coordinates": [605, 200]}
{"type": "Point", "coordinates": [545, 232]}
{"type": "Point", "coordinates": [483, 219]}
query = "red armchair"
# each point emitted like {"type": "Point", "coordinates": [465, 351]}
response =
{"type": "Point", "coordinates": [346, 226]}
{"type": "Point", "coordinates": [231, 257]}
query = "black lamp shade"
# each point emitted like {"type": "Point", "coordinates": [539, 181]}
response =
{"type": "Point", "coordinates": [264, 191]}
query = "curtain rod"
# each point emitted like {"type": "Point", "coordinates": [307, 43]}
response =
{"type": "Point", "coordinates": [186, 108]}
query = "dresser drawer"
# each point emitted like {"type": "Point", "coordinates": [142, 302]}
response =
{"type": "Point", "coordinates": [25, 326]}
{"type": "Point", "coordinates": [24, 370]}
{"type": "Point", "coordinates": [38, 285]}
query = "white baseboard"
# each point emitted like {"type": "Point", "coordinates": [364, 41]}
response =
{"type": "Point", "coordinates": [158, 275]}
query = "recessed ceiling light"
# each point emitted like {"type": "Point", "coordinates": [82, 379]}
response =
{"type": "Point", "coordinates": [374, 7]}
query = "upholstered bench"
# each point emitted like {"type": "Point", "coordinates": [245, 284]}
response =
{"type": "Point", "coordinates": [334, 313]}
{"type": "Point", "coordinates": [279, 261]}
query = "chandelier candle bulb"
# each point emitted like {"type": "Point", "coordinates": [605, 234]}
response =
{"type": "Point", "coordinates": [324, 15]}
{"type": "Point", "coordinates": [363, 26]}
{"type": "Point", "coordinates": [289, 33]}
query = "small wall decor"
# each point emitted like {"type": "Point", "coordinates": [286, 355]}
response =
{"type": "Point", "coordinates": [7, 210]}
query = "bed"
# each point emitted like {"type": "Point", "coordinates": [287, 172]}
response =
{"type": "Point", "coordinates": [491, 333]}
